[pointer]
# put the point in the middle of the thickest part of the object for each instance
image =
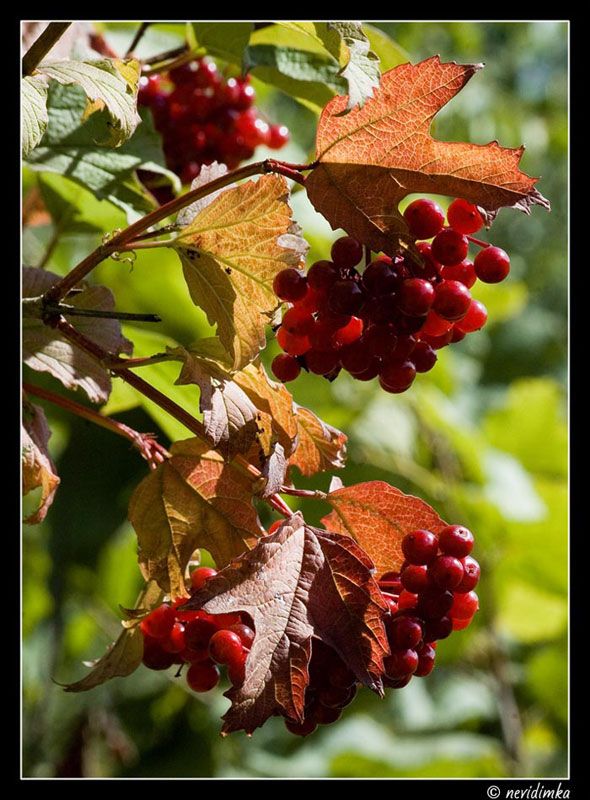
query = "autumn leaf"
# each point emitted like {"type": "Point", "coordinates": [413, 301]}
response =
{"type": "Point", "coordinates": [319, 445]}
{"type": "Point", "coordinates": [378, 516]}
{"type": "Point", "coordinates": [231, 251]}
{"type": "Point", "coordinates": [125, 654]}
{"type": "Point", "coordinates": [374, 156]}
{"type": "Point", "coordinates": [37, 466]}
{"type": "Point", "coordinates": [298, 584]}
{"type": "Point", "coordinates": [194, 499]}
{"type": "Point", "coordinates": [45, 350]}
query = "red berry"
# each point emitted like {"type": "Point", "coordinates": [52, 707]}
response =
{"type": "Point", "coordinates": [236, 670]}
{"type": "Point", "coordinates": [290, 285]}
{"type": "Point", "coordinates": [225, 646]}
{"type": "Point", "coordinates": [475, 318]}
{"type": "Point", "coordinates": [322, 362]}
{"type": "Point", "coordinates": [415, 578]}
{"type": "Point", "coordinates": [464, 605]}
{"type": "Point", "coordinates": [346, 297]}
{"type": "Point", "coordinates": [471, 573]}
{"type": "Point", "coordinates": [322, 274]}
{"type": "Point", "coordinates": [159, 622]}
{"type": "Point", "coordinates": [298, 321]}
{"type": "Point", "coordinates": [198, 632]}
{"type": "Point", "coordinates": [433, 604]}
{"type": "Point", "coordinates": [407, 599]}
{"type": "Point", "coordinates": [436, 325]}
{"type": "Point", "coordinates": [461, 624]}
{"type": "Point", "coordinates": [463, 272]}
{"type": "Point", "coordinates": [278, 136]}
{"type": "Point", "coordinates": [401, 662]}
{"type": "Point", "coordinates": [416, 296]}
{"type": "Point", "coordinates": [452, 300]}
{"type": "Point", "coordinates": [450, 247]}
{"type": "Point", "coordinates": [293, 345]}
{"type": "Point", "coordinates": [200, 575]}
{"type": "Point", "coordinates": [491, 265]}
{"type": "Point", "coordinates": [245, 633]}
{"type": "Point", "coordinates": [174, 642]}
{"type": "Point", "coordinates": [346, 252]}
{"type": "Point", "coordinates": [404, 632]}
{"type": "Point", "coordinates": [350, 332]}
{"type": "Point", "coordinates": [464, 217]}
{"type": "Point", "coordinates": [423, 357]}
{"type": "Point", "coordinates": [426, 659]}
{"type": "Point", "coordinates": [446, 572]}
{"type": "Point", "coordinates": [438, 628]}
{"type": "Point", "coordinates": [154, 655]}
{"type": "Point", "coordinates": [397, 377]}
{"type": "Point", "coordinates": [285, 368]}
{"type": "Point", "coordinates": [420, 546]}
{"type": "Point", "coordinates": [380, 277]}
{"type": "Point", "coordinates": [424, 218]}
{"type": "Point", "coordinates": [203, 676]}
{"type": "Point", "coordinates": [301, 728]}
{"type": "Point", "coordinates": [456, 540]}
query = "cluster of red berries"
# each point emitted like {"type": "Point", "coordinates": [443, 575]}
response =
{"type": "Point", "coordinates": [388, 321]}
{"type": "Point", "coordinates": [204, 641]}
{"type": "Point", "coordinates": [429, 598]}
{"type": "Point", "coordinates": [204, 117]}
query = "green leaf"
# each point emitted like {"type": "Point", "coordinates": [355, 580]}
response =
{"type": "Point", "coordinates": [76, 210]}
{"type": "Point", "coordinates": [390, 53]}
{"type": "Point", "coordinates": [361, 71]}
{"type": "Point", "coordinates": [107, 83]}
{"type": "Point", "coordinates": [34, 111]}
{"type": "Point", "coordinates": [228, 41]}
{"type": "Point", "coordinates": [70, 147]}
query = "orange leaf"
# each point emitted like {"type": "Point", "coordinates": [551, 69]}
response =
{"type": "Point", "coordinates": [373, 157]}
{"type": "Point", "coordinates": [378, 516]}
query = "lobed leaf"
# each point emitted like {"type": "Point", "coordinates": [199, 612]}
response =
{"type": "Point", "coordinates": [319, 446]}
{"type": "Point", "coordinates": [378, 516]}
{"type": "Point", "coordinates": [298, 584]}
{"type": "Point", "coordinates": [45, 350]}
{"type": "Point", "coordinates": [37, 467]}
{"type": "Point", "coordinates": [107, 83]}
{"type": "Point", "coordinates": [374, 156]}
{"type": "Point", "coordinates": [231, 252]}
{"type": "Point", "coordinates": [193, 500]}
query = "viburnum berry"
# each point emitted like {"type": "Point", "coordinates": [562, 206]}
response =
{"type": "Point", "coordinates": [397, 377]}
{"type": "Point", "coordinates": [463, 272]}
{"type": "Point", "coordinates": [293, 345]}
{"type": "Point", "coordinates": [346, 252]}
{"type": "Point", "coordinates": [450, 247]}
{"type": "Point", "coordinates": [200, 575]}
{"type": "Point", "coordinates": [401, 662]}
{"type": "Point", "coordinates": [475, 318]}
{"type": "Point", "coordinates": [416, 296]}
{"type": "Point", "coordinates": [423, 357]}
{"type": "Point", "coordinates": [322, 274]}
{"type": "Point", "coordinates": [464, 605]}
{"type": "Point", "coordinates": [491, 265]}
{"type": "Point", "coordinates": [350, 332]}
{"type": "Point", "coordinates": [424, 218]}
{"type": "Point", "coordinates": [285, 367]}
{"type": "Point", "coordinates": [155, 656]}
{"type": "Point", "coordinates": [471, 573]}
{"type": "Point", "coordinates": [415, 578]}
{"type": "Point", "coordinates": [346, 297]}
{"type": "Point", "coordinates": [405, 632]}
{"type": "Point", "coordinates": [420, 546]}
{"type": "Point", "coordinates": [446, 572]}
{"type": "Point", "coordinates": [456, 540]}
{"type": "Point", "coordinates": [159, 622]}
{"type": "Point", "coordinates": [203, 676]}
{"type": "Point", "coordinates": [464, 217]}
{"type": "Point", "coordinates": [290, 285]}
{"type": "Point", "coordinates": [225, 646]}
{"type": "Point", "coordinates": [451, 300]}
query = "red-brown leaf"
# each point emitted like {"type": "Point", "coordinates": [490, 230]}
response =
{"type": "Point", "coordinates": [373, 157]}
{"type": "Point", "coordinates": [297, 583]}
{"type": "Point", "coordinates": [378, 516]}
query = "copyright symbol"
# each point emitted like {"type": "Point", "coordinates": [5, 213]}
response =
{"type": "Point", "coordinates": [493, 792]}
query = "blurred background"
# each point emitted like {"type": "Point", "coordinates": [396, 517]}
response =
{"type": "Point", "coordinates": [482, 438]}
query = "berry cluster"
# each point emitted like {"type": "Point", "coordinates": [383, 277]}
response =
{"type": "Point", "coordinates": [204, 641]}
{"type": "Point", "coordinates": [204, 117]}
{"type": "Point", "coordinates": [388, 321]}
{"type": "Point", "coordinates": [431, 596]}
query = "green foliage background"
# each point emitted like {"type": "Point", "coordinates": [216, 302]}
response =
{"type": "Point", "coordinates": [483, 439]}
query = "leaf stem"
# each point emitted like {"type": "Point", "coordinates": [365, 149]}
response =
{"type": "Point", "coordinates": [313, 494]}
{"type": "Point", "coordinates": [74, 311]}
{"type": "Point", "coordinates": [153, 452]}
{"type": "Point", "coordinates": [42, 45]}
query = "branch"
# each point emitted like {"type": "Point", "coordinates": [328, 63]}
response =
{"type": "Point", "coordinates": [146, 443]}
{"type": "Point", "coordinates": [137, 38]}
{"type": "Point", "coordinates": [60, 289]}
{"type": "Point", "coordinates": [41, 46]}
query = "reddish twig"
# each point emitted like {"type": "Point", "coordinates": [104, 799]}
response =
{"type": "Point", "coordinates": [146, 443]}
